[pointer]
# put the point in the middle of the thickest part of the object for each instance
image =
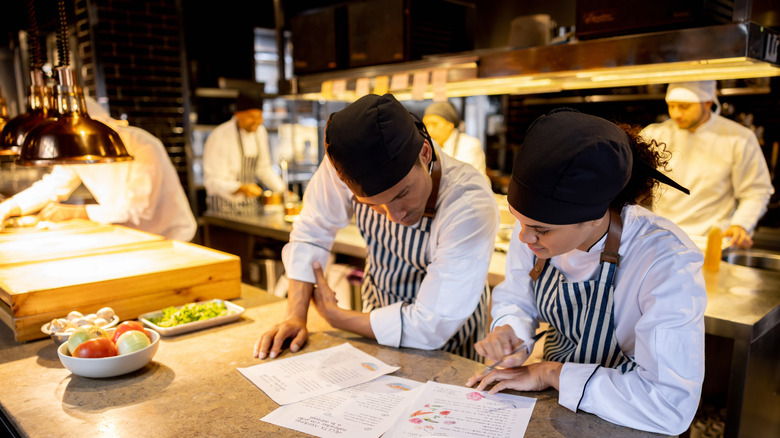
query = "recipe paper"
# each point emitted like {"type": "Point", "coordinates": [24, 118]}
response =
{"type": "Point", "coordinates": [457, 411]}
{"type": "Point", "coordinates": [362, 411]}
{"type": "Point", "coordinates": [308, 375]}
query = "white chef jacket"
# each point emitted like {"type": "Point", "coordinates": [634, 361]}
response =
{"type": "Point", "coordinates": [722, 164]}
{"type": "Point", "coordinates": [465, 148]}
{"type": "Point", "coordinates": [222, 160]}
{"type": "Point", "coordinates": [659, 303]}
{"type": "Point", "coordinates": [461, 245]}
{"type": "Point", "coordinates": [145, 194]}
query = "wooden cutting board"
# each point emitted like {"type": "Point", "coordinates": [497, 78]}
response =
{"type": "Point", "coordinates": [131, 276]}
{"type": "Point", "coordinates": [64, 243]}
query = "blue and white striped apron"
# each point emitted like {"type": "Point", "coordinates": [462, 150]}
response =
{"type": "Point", "coordinates": [396, 264]}
{"type": "Point", "coordinates": [246, 175]}
{"type": "Point", "coordinates": [581, 314]}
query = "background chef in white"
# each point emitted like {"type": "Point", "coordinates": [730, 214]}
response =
{"type": "Point", "coordinates": [621, 287]}
{"type": "Point", "coordinates": [145, 194]}
{"type": "Point", "coordinates": [429, 222]}
{"type": "Point", "coordinates": [236, 158]}
{"type": "Point", "coordinates": [719, 160]}
{"type": "Point", "coordinates": [443, 123]}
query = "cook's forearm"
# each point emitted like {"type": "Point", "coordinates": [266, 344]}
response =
{"type": "Point", "coordinates": [298, 299]}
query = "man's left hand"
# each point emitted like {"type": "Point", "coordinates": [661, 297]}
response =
{"type": "Point", "coordinates": [739, 237]}
{"type": "Point", "coordinates": [324, 298]}
{"type": "Point", "coordinates": [328, 307]}
{"type": "Point", "coordinates": [56, 212]}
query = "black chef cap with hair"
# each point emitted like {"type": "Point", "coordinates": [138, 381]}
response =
{"type": "Point", "coordinates": [570, 167]}
{"type": "Point", "coordinates": [248, 100]}
{"type": "Point", "coordinates": [373, 143]}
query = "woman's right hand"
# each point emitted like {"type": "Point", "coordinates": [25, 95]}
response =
{"type": "Point", "coordinates": [501, 342]}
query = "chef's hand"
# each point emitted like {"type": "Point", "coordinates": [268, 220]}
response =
{"type": "Point", "coordinates": [534, 377]}
{"type": "Point", "coordinates": [250, 190]}
{"type": "Point", "coordinates": [328, 307]}
{"type": "Point", "coordinates": [324, 298]}
{"type": "Point", "coordinates": [56, 212]}
{"type": "Point", "coordinates": [739, 237]}
{"type": "Point", "coordinates": [272, 342]}
{"type": "Point", "coordinates": [501, 342]}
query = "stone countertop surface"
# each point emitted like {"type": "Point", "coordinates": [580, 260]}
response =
{"type": "Point", "coordinates": [192, 387]}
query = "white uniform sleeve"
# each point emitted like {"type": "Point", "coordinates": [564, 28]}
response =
{"type": "Point", "coordinates": [663, 393]}
{"type": "Point", "coordinates": [327, 207]}
{"type": "Point", "coordinates": [53, 187]}
{"type": "Point", "coordinates": [752, 184]}
{"type": "Point", "coordinates": [265, 172]}
{"type": "Point", "coordinates": [463, 236]}
{"type": "Point", "coordinates": [130, 199]}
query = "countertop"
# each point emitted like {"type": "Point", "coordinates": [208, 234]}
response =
{"type": "Point", "coordinates": [192, 387]}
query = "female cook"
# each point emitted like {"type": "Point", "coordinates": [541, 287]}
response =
{"type": "Point", "coordinates": [621, 288]}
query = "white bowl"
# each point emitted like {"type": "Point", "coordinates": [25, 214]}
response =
{"type": "Point", "coordinates": [109, 366]}
{"type": "Point", "coordinates": [60, 337]}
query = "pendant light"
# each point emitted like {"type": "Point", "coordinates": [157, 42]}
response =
{"type": "Point", "coordinates": [3, 110]}
{"type": "Point", "coordinates": [72, 137]}
{"type": "Point", "coordinates": [40, 100]}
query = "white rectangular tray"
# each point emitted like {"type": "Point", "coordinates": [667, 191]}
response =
{"type": "Point", "coordinates": [234, 313]}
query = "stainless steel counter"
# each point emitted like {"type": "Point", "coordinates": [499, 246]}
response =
{"type": "Point", "coordinates": [743, 305]}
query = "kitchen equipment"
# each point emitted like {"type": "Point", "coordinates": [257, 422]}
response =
{"type": "Point", "coordinates": [601, 18]}
{"type": "Point", "coordinates": [109, 366]}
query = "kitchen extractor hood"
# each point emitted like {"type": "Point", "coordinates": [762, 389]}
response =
{"type": "Point", "coordinates": [728, 51]}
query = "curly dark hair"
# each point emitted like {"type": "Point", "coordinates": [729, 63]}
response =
{"type": "Point", "coordinates": [641, 187]}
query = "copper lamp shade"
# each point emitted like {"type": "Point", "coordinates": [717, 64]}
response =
{"type": "Point", "coordinates": [73, 137]}
{"type": "Point", "coordinates": [40, 104]}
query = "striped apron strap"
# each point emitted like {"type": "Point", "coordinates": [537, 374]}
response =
{"type": "Point", "coordinates": [581, 315]}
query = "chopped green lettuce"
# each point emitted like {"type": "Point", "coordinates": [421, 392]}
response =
{"type": "Point", "coordinates": [173, 316]}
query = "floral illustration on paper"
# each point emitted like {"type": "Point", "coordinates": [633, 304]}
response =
{"type": "Point", "coordinates": [431, 414]}
{"type": "Point", "coordinates": [475, 396]}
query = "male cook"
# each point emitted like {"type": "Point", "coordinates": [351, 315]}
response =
{"type": "Point", "coordinates": [429, 222]}
{"type": "Point", "coordinates": [719, 160]}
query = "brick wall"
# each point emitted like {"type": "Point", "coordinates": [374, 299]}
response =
{"type": "Point", "coordinates": [131, 53]}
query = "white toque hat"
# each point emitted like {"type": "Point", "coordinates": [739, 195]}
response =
{"type": "Point", "coordinates": [702, 91]}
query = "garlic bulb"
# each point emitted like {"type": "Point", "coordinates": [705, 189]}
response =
{"type": "Point", "coordinates": [58, 325]}
{"type": "Point", "coordinates": [106, 313]}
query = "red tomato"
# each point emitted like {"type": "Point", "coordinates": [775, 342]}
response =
{"type": "Point", "coordinates": [98, 347]}
{"type": "Point", "coordinates": [126, 327]}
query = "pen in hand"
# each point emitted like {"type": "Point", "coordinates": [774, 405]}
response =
{"type": "Point", "coordinates": [515, 351]}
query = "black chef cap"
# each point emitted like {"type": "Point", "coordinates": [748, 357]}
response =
{"type": "Point", "coordinates": [247, 100]}
{"type": "Point", "coordinates": [570, 167]}
{"type": "Point", "coordinates": [372, 143]}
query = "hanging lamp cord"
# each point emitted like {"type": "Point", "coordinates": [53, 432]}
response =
{"type": "Point", "coordinates": [36, 56]}
{"type": "Point", "coordinates": [62, 36]}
